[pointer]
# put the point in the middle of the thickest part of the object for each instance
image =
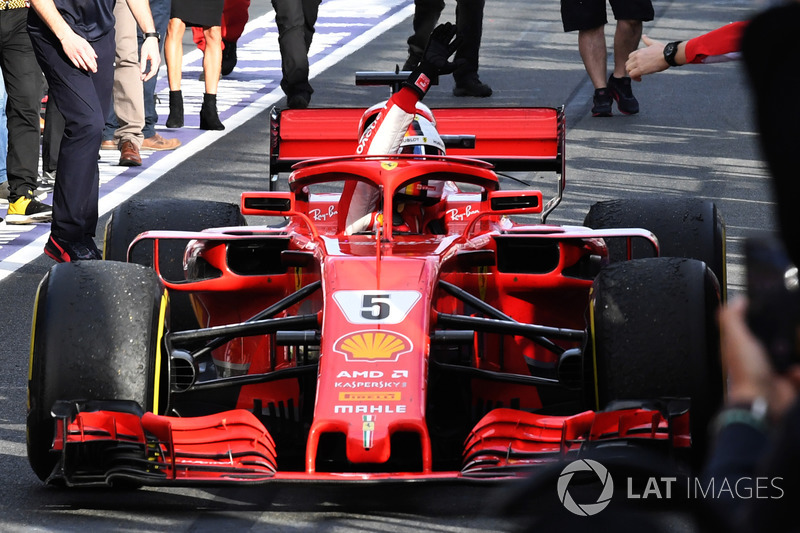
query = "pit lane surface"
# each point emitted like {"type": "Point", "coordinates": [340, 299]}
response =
{"type": "Point", "coordinates": [693, 137]}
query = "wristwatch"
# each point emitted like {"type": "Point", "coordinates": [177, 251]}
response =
{"type": "Point", "coordinates": [153, 34]}
{"type": "Point", "coordinates": [669, 53]}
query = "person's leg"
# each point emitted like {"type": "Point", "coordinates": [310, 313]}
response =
{"type": "Point", "coordinates": [626, 40]}
{"type": "Point", "coordinates": [291, 22]}
{"type": "Point", "coordinates": [629, 15]}
{"type": "Point", "coordinates": [212, 58]}
{"type": "Point", "coordinates": [160, 11]}
{"type": "Point", "coordinates": [128, 95]}
{"type": "Point", "coordinates": [310, 13]}
{"type": "Point", "coordinates": [588, 18]}
{"type": "Point", "coordinates": [24, 86]}
{"type": "Point", "coordinates": [426, 15]}
{"type": "Point", "coordinates": [173, 53]}
{"type": "Point", "coordinates": [84, 102]}
{"type": "Point", "coordinates": [212, 64]}
{"type": "Point", "coordinates": [469, 22]}
{"type": "Point", "coordinates": [3, 137]}
{"type": "Point", "coordinates": [51, 137]}
{"type": "Point", "coordinates": [592, 47]}
{"type": "Point", "coordinates": [108, 132]}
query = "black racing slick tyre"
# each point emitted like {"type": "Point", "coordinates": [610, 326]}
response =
{"type": "Point", "coordinates": [97, 335]}
{"type": "Point", "coordinates": [685, 227]}
{"type": "Point", "coordinates": [135, 216]}
{"type": "Point", "coordinates": [654, 335]}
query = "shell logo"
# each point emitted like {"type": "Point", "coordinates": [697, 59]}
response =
{"type": "Point", "coordinates": [373, 345]}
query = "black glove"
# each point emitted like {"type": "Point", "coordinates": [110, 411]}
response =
{"type": "Point", "coordinates": [442, 43]}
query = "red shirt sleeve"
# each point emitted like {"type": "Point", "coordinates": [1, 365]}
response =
{"type": "Point", "coordinates": [718, 42]}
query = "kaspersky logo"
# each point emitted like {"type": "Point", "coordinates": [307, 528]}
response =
{"type": "Point", "coordinates": [373, 345]}
{"type": "Point", "coordinates": [585, 508]}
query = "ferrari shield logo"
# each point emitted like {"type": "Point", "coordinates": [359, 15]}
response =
{"type": "Point", "coordinates": [368, 428]}
{"type": "Point", "coordinates": [389, 165]}
{"type": "Point", "coordinates": [373, 345]}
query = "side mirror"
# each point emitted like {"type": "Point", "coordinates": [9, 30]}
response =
{"type": "Point", "coordinates": [267, 203]}
{"type": "Point", "coordinates": [515, 202]}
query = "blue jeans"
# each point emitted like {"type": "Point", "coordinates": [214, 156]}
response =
{"type": "Point", "coordinates": [160, 10]}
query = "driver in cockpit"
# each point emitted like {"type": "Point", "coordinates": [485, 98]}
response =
{"type": "Point", "coordinates": [401, 125]}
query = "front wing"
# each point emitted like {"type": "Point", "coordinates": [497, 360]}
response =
{"type": "Point", "coordinates": [100, 443]}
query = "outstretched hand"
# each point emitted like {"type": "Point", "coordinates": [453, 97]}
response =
{"type": "Point", "coordinates": [442, 44]}
{"type": "Point", "coordinates": [647, 60]}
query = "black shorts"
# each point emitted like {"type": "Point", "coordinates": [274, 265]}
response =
{"type": "Point", "coordinates": [588, 14]}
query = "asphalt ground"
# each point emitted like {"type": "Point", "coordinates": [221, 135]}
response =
{"type": "Point", "coordinates": [693, 137]}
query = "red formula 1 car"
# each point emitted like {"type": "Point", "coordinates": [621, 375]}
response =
{"type": "Point", "coordinates": [477, 346]}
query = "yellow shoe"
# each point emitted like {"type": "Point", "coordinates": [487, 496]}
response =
{"type": "Point", "coordinates": [26, 210]}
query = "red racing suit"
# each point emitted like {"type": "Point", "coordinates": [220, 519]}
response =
{"type": "Point", "coordinates": [722, 44]}
{"type": "Point", "coordinates": [359, 200]}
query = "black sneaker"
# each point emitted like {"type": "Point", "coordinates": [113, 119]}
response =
{"type": "Point", "coordinates": [89, 242]}
{"type": "Point", "coordinates": [602, 103]}
{"type": "Point", "coordinates": [620, 89]}
{"type": "Point", "coordinates": [66, 251]}
{"type": "Point", "coordinates": [28, 210]}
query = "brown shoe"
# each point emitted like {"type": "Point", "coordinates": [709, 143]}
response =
{"type": "Point", "coordinates": [158, 143]}
{"type": "Point", "coordinates": [108, 145]}
{"type": "Point", "coordinates": [129, 155]}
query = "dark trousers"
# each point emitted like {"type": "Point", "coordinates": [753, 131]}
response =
{"type": "Point", "coordinates": [84, 99]}
{"type": "Point", "coordinates": [51, 136]}
{"type": "Point", "coordinates": [469, 23]}
{"type": "Point", "coordinates": [23, 80]}
{"type": "Point", "coordinates": [295, 20]}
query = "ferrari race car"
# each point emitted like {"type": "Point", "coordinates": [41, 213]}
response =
{"type": "Point", "coordinates": [207, 348]}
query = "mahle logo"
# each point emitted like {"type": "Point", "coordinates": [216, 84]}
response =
{"type": "Point", "coordinates": [585, 509]}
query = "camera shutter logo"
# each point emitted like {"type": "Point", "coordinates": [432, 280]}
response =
{"type": "Point", "coordinates": [586, 509]}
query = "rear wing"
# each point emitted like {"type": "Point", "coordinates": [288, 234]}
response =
{"type": "Point", "coordinates": [511, 139]}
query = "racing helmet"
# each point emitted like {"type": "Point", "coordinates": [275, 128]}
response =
{"type": "Point", "coordinates": [426, 192]}
{"type": "Point", "coordinates": [422, 138]}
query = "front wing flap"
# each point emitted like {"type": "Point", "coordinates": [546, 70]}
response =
{"type": "Point", "coordinates": [509, 442]}
{"type": "Point", "coordinates": [102, 444]}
